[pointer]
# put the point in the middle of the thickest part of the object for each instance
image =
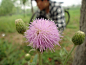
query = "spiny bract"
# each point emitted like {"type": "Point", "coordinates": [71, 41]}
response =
{"type": "Point", "coordinates": [20, 26]}
{"type": "Point", "coordinates": [78, 38]}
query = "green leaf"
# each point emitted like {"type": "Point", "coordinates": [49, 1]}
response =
{"type": "Point", "coordinates": [65, 50]}
{"type": "Point", "coordinates": [35, 59]}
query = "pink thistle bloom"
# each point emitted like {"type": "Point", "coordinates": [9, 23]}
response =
{"type": "Point", "coordinates": [43, 35]}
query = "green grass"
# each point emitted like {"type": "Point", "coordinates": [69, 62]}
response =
{"type": "Point", "coordinates": [7, 23]}
{"type": "Point", "coordinates": [12, 54]}
{"type": "Point", "coordinates": [74, 19]}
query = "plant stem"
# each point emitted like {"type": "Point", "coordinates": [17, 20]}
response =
{"type": "Point", "coordinates": [40, 58]}
{"type": "Point", "coordinates": [67, 58]}
{"type": "Point", "coordinates": [28, 63]}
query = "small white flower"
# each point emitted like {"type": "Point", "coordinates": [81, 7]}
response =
{"type": "Point", "coordinates": [3, 35]}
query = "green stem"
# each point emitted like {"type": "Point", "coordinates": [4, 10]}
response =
{"type": "Point", "coordinates": [67, 58]}
{"type": "Point", "coordinates": [40, 58]}
{"type": "Point", "coordinates": [28, 63]}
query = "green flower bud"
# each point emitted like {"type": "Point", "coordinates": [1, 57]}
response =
{"type": "Point", "coordinates": [78, 38]}
{"type": "Point", "coordinates": [27, 57]}
{"type": "Point", "coordinates": [20, 26]}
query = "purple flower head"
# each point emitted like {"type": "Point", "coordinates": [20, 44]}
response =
{"type": "Point", "coordinates": [43, 35]}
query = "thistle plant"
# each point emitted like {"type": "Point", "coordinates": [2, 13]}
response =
{"type": "Point", "coordinates": [77, 39]}
{"type": "Point", "coordinates": [42, 34]}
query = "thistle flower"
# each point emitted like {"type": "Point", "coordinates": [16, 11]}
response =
{"type": "Point", "coordinates": [43, 35]}
{"type": "Point", "coordinates": [20, 26]}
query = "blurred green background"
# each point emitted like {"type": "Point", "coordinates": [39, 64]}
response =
{"type": "Point", "coordinates": [12, 44]}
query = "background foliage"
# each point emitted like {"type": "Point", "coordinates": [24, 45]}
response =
{"type": "Point", "coordinates": [13, 46]}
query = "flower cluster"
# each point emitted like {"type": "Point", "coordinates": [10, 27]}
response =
{"type": "Point", "coordinates": [43, 34]}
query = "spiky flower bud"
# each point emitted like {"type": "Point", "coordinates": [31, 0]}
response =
{"type": "Point", "coordinates": [78, 38]}
{"type": "Point", "coordinates": [27, 57]}
{"type": "Point", "coordinates": [20, 26]}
